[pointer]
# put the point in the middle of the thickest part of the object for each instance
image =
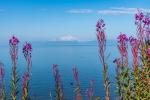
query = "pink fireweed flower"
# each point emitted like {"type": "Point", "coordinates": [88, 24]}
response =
{"type": "Point", "coordinates": [100, 25]}
{"type": "Point", "coordinates": [133, 41]}
{"type": "Point", "coordinates": [56, 74]}
{"type": "Point", "coordinates": [101, 38]}
{"type": "Point", "coordinates": [13, 42]}
{"type": "Point", "coordinates": [146, 20]}
{"type": "Point", "coordinates": [122, 38]}
{"type": "Point", "coordinates": [122, 46]}
{"type": "Point", "coordinates": [134, 48]}
{"type": "Point", "coordinates": [27, 49]}
{"type": "Point", "coordinates": [90, 92]}
{"type": "Point", "coordinates": [75, 73]}
{"type": "Point", "coordinates": [142, 21]}
{"type": "Point", "coordinates": [139, 16]}
{"type": "Point", "coordinates": [58, 82]}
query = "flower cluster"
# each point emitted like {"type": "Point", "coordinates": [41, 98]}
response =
{"type": "Point", "coordinates": [146, 19]}
{"type": "Point", "coordinates": [122, 38]}
{"type": "Point", "coordinates": [27, 49]}
{"type": "Point", "coordinates": [122, 72]}
{"type": "Point", "coordinates": [139, 16]}
{"type": "Point", "coordinates": [134, 48]}
{"type": "Point", "coordinates": [14, 41]}
{"type": "Point", "coordinates": [133, 41]}
{"type": "Point", "coordinates": [100, 25]}
{"type": "Point", "coordinates": [101, 38]}
{"type": "Point", "coordinates": [122, 46]}
{"type": "Point", "coordinates": [143, 22]}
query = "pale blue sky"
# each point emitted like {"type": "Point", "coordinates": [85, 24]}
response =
{"type": "Point", "coordinates": [43, 20]}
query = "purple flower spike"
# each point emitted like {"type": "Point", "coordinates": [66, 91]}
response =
{"type": "Point", "coordinates": [134, 48]}
{"type": "Point", "coordinates": [139, 16]}
{"type": "Point", "coordinates": [101, 38]}
{"type": "Point", "coordinates": [122, 38]}
{"type": "Point", "coordinates": [90, 91]}
{"type": "Point", "coordinates": [58, 82]}
{"type": "Point", "coordinates": [146, 19]}
{"type": "Point", "coordinates": [13, 41]}
{"type": "Point", "coordinates": [75, 72]}
{"type": "Point", "coordinates": [27, 49]}
{"type": "Point", "coordinates": [100, 25]}
{"type": "Point", "coordinates": [122, 46]}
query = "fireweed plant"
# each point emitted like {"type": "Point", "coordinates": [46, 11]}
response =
{"type": "Point", "coordinates": [78, 88]}
{"type": "Point", "coordinates": [27, 49]}
{"type": "Point", "coordinates": [142, 73]}
{"type": "Point", "coordinates": [132, 82]}
{"type": "Point", "coordinates": [90, 91]}
{"type": "Point", "coordinates": [58, 83]}
{"type": "Point", "coordinates": [13, 43]}
{"type": "Point", "coordinates": [123, 74]}
{"type": "Point", "coordinates": [101, 38]}
{"type": "Point", "coordinates": [2, 74]}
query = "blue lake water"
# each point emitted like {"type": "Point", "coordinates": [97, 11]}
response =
{"type": "Point", "coordinates": [84, 55]}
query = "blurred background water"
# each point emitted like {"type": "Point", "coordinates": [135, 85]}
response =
{"type": "Point", "coordinates": [84, 55]}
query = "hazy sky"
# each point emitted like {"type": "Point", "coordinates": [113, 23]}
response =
{"type": "Point", "coordinates": [42, 20]}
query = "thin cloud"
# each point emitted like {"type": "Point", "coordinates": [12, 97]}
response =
{"type": "Point", "coordinates": [68, 38]}
{"type": "Point", "coordinates": [114, 12]}
{"type": "Point", "coordinates": [131, 9]}
{"type": "Point", "coordinates": [79, 11]}
{"type": "Point", "coordinates": [110, 11]}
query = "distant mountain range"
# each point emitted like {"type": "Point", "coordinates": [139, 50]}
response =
{"type": "Point", "coordinates": [64, 43]}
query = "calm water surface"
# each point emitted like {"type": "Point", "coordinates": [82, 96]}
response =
{"type": "Point", "coordinates": [83, 55]}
